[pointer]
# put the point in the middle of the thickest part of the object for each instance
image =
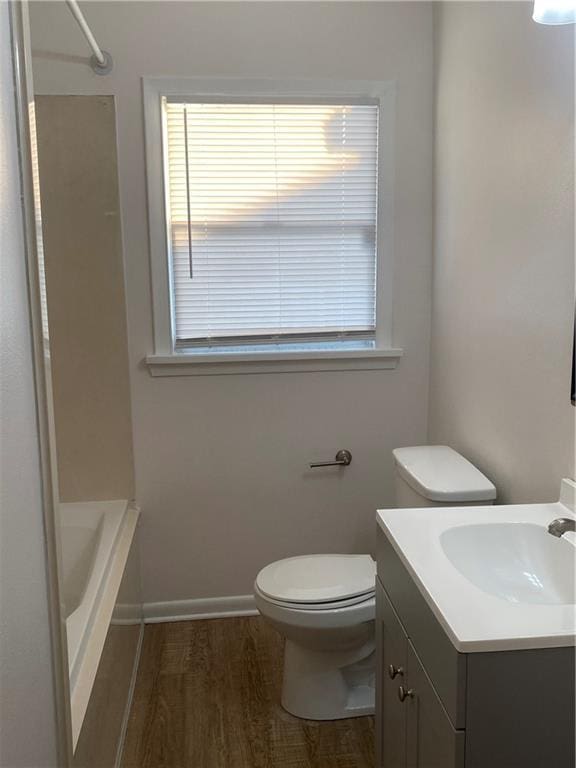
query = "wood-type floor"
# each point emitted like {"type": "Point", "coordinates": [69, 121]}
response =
{"type": "Point", "coordinates": [208, 696]}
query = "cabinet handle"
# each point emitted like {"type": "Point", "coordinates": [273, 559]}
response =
{"type": "Point", "coordinates": [394, 671]}
{"type": "Point", "coordinates": [405, 693]}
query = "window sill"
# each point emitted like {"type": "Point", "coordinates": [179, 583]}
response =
{"type": "Point", "coordinates": [226, 363]}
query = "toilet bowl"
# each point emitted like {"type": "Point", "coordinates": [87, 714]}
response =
{"type": "Point", "coordinates": [324, 605]}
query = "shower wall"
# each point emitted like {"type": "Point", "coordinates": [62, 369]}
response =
{"type": "Point", "coordinates": [85, 296]}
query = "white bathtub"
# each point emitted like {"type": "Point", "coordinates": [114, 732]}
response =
{"type": "Point", "coordinates": [95, 543]}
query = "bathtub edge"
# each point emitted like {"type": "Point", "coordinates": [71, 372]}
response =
{"type": "Point", "coordinates": [80, 695]}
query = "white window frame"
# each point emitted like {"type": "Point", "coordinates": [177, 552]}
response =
{"type": "Point", "coordinates": [166, 360]}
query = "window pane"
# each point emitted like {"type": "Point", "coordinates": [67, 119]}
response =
{"type": "Point", "coordinates": [272, 218]}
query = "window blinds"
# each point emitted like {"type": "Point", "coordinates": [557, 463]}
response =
{"type": "Point", "coordinates": [271, 220]}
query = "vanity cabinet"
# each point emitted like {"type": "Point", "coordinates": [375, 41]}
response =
{"type": "Point", "coordinates": [392, 649]}
{"type": "Point", "coordinates": [438, 708]}
{"type": "Point", "coordinates": [431, 740]}
{"type": "Point", "coordinates": [418, 732]}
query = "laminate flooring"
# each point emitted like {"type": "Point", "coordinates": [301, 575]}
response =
{"type": "Point", "coordinates": [208, 696]}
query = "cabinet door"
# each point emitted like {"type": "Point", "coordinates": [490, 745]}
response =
{"type": "Point", "coordinates": [392, 658]}
{"type": "Point", "coordinates": [431, 740]}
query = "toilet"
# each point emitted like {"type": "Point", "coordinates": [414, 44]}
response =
{"type": "Point", "coordinates": [324, 605]}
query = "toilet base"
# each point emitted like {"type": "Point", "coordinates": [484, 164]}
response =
{"type": "Point", "coordinates": [320, 685]}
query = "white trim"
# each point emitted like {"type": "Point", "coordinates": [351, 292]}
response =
{"type": "Point", "coordinates": [159, 263]}
{"type": "Point", "coordinates": [182, 364]}
{"type": "Point", "coordinates": [200, 608]}
{"type": "Point", "coordinates": [128, 706]}
{"type": "Point", "coordinates": [155, 88]}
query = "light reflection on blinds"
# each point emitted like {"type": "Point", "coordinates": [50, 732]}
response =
{"type": "Point", "coordinates": [272, 219]}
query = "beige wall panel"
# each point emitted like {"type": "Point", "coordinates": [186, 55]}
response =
{"type": "Point", "coordinates": [85, 290]}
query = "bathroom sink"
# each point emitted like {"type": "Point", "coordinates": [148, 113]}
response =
{"type": "Point", "coordinates": [493, 576]}
{"type": "Point", "coordinates": [518, 562]}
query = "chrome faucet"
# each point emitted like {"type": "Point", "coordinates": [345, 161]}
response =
{"type": "Point", "coordinates": [561, 525]}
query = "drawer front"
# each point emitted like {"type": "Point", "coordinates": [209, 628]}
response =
{"type": "Point", "coordinates": [444, 665]}
{"type": "Point", "coordinates": [432, 742]}
{"type": "Point", "coordinates": [392, 661]}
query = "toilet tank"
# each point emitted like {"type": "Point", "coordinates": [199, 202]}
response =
{"type": "Point", "coordinates": [438, 476]}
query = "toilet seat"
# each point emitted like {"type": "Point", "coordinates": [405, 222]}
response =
{"type": "Point", "coordinates": [328, 606]}
{"type": "Point", "coordinates": [318, 582]}
{"type": "Point", "coordinates": [328, 616]}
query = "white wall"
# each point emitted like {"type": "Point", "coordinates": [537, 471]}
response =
{"type": "Point", "coordinates": [221, 461]}
{"type": "Point", "coordinates": [27, 704]}
{"type": "Point", "coordinates": [504, 251]}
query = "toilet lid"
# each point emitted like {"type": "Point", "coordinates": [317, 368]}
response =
{"type": "Point", "coordinates": [318, 578]}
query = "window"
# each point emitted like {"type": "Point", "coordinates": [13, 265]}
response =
{"type": "Point", "coordinates": [271, 219]}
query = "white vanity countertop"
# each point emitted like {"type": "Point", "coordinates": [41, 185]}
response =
{"type": "Point", "coordinates": [477, 620]}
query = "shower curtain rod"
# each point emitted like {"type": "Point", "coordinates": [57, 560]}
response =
{"type": "Point", "coordinates": [100, 61]}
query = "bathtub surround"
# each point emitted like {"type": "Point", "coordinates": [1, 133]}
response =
{"type": "Point", "coordinates": [101, 593]}
{"type": "Point", "coordinates": [114, 637]}
{"type": "Point", "coordinates": [89, 538]}
{"type": "Point", "coordinates": [504, 246]}
{"type": "Point", "coordinates": [222, 461]}
{"type": "Point", "coordinates": [85, 295]}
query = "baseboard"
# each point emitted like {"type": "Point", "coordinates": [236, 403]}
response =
{"type": "Point", "coordinates": [201, 608]}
